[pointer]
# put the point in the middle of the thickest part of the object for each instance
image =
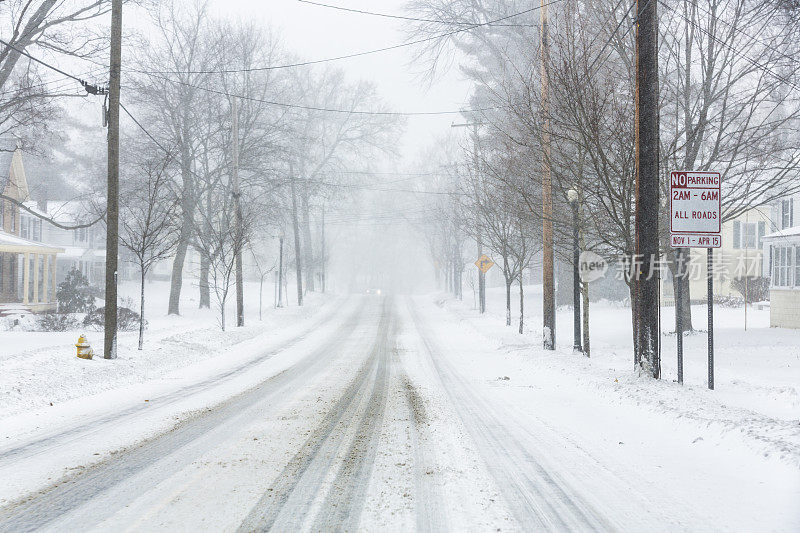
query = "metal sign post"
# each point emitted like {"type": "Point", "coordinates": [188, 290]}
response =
{"type": "Point", "coordinates": [695, 222]}
{"type": "Point", "coordinates": [710, 275]}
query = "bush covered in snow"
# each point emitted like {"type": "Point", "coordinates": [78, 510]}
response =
{"type": "Point", "coordinates": [53, 321]}
{"type": "Point", "coordinates": [127, 319]}
{"type": "Point", "coordinates": [757, 288]}
{"type": "Point", "coordinates": [74, 294]}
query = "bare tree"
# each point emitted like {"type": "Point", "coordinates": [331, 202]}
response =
{"type": "Point", "coordinates": [147, 208]}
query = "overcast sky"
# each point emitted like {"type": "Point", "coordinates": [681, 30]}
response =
{"type": "Point", "coordinates": [315, 32]}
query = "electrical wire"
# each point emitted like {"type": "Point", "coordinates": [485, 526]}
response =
{"type": "Point", "coordinates": [91, 89]}
{"type": "Point", "coordinates": [349, 56]}
{"type": "Point", "coordinates": [402, 17]}
{"type": "Point", "coordinates": [323, 109]}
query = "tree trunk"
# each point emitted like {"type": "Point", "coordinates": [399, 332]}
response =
{"type": "Point", "coordinates": [222, 315]}
{"type": "Point", "coordinates": [187, 207]}
{"type": "Point", "coordinates": [521, 305]}
{"type": "Point", "coordinates": [141, 311]}
{"type": "Point", "coordinates": [297, 250]}
{"type": "Point", "coordinates": [205, 289]}
{"type": "Point", "coordinates": [35, 21]}
{"type": "Point", "coordinates": [508, 301]}
{"type": "Point", "coordinates": [177, 275]}
{"type": "Point", "coordinates": [309, 249]}
{"type": "Point", "coordinates": [681, 284]}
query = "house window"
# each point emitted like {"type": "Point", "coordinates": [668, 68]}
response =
{"type": "Point", "coordinates": [23, 227]}
{"type": "Point", "coordinates": [748, 234]}
{"type": "Point", "coordinates": [787, 213]}
{"type": "Point", "coordinates": [797, 266]}
{"type": "Point", "coordinates": [782, 266]}
{"type": "Point", "coordinates": [36, 234]}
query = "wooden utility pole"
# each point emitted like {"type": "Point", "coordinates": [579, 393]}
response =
{"type": "Point", "coordinates": [297, 253]}
{"type": "Point", "coordinates": [647, 354]}
{"type": "Point", "coordinates": [112, 202]}
{"type": "Point", "coordinates": [548, 278]}
{"type": "Point", "coordinates": [237, 205]}
{"type": "Point", "coordinates": [478, 188]}
{"type": "Point", "coordinates": [478, 238]}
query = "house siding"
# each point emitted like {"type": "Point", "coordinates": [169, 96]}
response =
{"type": "Point", "coordinates": [784, 310]}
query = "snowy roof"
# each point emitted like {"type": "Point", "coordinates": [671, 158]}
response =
{"type": "Point", "coordinates": [33, 206]}
{"type": "Point", "coordinates": [12, 243]}
{"type": "Point", "coordinates": [794, 231]}
{"type": "Point", "coordinates": [63, 211]}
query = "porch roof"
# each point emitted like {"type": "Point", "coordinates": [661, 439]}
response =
{"type": "Point", "coordinates": [13, 244]}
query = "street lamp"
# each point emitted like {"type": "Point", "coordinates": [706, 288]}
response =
{"type": "Point", "coordinates": [572, 196]}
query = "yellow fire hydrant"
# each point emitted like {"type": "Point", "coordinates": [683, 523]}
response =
{"type": "Point", "coordinates": [84, 348]}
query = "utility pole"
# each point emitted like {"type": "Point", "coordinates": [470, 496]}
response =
{"type": "Point", "coordinates": [297, 253]}
{"type": "Point", "coordinates": [478, 239]}
{"type": "Point", "coordinates": [112, 203]}
{"type": "Point", "coordinates": [280, 272]}
{"type": "Point", "coordinates": [548, 278]}
{"type": "Point", "coordinates": [572, 196]}
{"type": "Point", "coordinates": [648, 331]}
{"type": "Point", "coordinates": [237, 205]}
{"type": "Point", "coordinates": [323, 248]}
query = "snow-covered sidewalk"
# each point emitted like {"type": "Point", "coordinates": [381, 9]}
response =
{"type": "Point", "coordinates": [40, 369]}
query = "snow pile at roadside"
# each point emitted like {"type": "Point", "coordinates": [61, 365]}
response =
{"type": "Point", "coordinates": [757, 396]}
{"type": "Point", "coordinates": [40, 369]}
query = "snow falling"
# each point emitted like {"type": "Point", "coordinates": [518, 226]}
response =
{"type": "Point", "coordinates": [411, 265]}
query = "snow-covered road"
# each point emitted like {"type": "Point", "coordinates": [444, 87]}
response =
{"type": "Point", "coordinates": [388, 414]}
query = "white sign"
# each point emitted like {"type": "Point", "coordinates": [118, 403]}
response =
{"type": "Point", "coordinates": [591, 267]}
{"type": "Point", "coordinates": [690, 240]}
{"type": "Point", "coordinates": [695, 204]}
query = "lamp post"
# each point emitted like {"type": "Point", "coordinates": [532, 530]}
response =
{"type": "Point", "coordinates": [572, 196]}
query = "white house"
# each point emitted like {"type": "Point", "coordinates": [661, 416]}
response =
{"type": "Point", "coordinates": [784, 265]}
{"type": "Point", "coordinates": [84, 248]}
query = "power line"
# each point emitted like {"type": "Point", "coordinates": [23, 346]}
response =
{"type": "Point", "coordinates": [613, 33]}
{"type": "Point", "coordinates": [91, 89]}
{"type": "Point", "coordinates": [322, 183]}
{"type": "Point", "coordinates": [373, 188]}
{"type": "Point", "coordinates": [324, 109]}
{"type": "Point", "coordinates": [402, 17]}
{"type": "Point", "coordinates": [348, 56]}
{"type": "Point", "coordinates": [95, 89]}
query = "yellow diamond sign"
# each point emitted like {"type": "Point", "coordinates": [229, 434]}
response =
{"type": "Point", "coordinates": [484, 263]}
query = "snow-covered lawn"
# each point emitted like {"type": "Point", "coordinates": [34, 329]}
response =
{"type": "Point", "coordinates": [757, 372]}
{"type": "Point", "coordinates": [39, 369]}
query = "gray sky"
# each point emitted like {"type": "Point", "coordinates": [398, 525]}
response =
{"type": "Point", "coordinates": [315, 32]}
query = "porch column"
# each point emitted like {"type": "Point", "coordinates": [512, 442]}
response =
{"type": "Point", "coordinates": [35, 278]}
{"type": "Point", "coordinates": [26, 268]}
{"type": "Point", "coordinates": [46, 278]}
{"type": "Point", "coordinates": [54, 262]}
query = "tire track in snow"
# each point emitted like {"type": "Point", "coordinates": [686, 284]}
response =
{"type": "Point", "coordinates": [537, 498]}
{"type": "Point", "coordinates": [307, 476]}
{"type": "Point", "coordinates": [142, 466]}
{"type": "Point", "coordinates": [94, 425]}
